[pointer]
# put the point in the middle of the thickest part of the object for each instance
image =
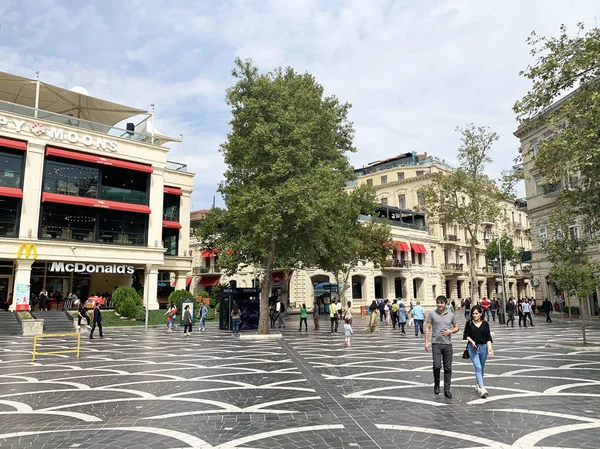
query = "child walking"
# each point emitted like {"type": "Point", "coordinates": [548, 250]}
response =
{"type": "Point", "coordinates": [303, 318]}
{"type": "Point", "coordinates": [347, 332]}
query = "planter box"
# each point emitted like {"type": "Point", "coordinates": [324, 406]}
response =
{"type": "Point", "coordinates": [574, 315]}
{"type": "Point", "coordinates": [32, 327]}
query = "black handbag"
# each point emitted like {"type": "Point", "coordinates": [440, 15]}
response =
{"type": "Point", "coordinates": [466, 353]}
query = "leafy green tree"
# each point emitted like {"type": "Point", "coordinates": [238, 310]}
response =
{"type": "Point", "coordinates": [122, 300]}
{"type": "Point", "coordinates": [570, 155]}
{"type": "Point", "coordinates": [509, 253]}
{"type": "Point", "coordinates": [349, 241]}
{"type": "Point", "coordinates": [177, 296]}
{"type": "Point", "coordinates": [467, 195]}
{"type": "Point", "coordinates": [572, 272]}
{"type": "Point", "coordinates": [287, 168]}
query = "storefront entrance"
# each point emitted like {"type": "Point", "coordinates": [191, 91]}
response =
{"type": "Point", "coordinates": [5, 283]}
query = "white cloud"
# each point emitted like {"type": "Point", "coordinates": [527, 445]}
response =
{"type": "Point", "coordinates": [412, 70]}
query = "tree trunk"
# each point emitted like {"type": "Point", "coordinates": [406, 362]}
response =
{"type": "Point", "coordinates": [265, 292]}
{"type": "Point", "coordinates": [583, 323]}
{"type": "Point", "coordinates": [472, 273]}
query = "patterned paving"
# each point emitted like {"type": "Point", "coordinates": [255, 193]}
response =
{"type": "Point", "coordinates": [163, 390]}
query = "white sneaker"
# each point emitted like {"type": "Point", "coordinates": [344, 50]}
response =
{"type": "Point", "coordinates": [484, 393]}
{"type": "Point", "coordinates": [478, 389]}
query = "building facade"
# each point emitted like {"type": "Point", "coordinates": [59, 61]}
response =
{"type": "Point", "coordinates": [540, 203]}
{"type": "Point", "coordinates": [85, 206]}
{"type": "Point", "coordinates": [426, 260]}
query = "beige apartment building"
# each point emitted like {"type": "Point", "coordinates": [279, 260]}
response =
{"type": "Point", "coordinates": [427, 260]}
{"type": "Point", "coordinates": [540, 204]}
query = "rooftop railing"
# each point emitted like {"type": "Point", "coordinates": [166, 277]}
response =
{"type": "Point", "coordinates": [86, 125]}
{"type": "Point", "coordinates": [396, 223]}
{"type": "Point", "coordinates": [176, 166]}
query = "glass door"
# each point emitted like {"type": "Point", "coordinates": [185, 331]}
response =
{"type": "Point", "coordinates": [5, 283]}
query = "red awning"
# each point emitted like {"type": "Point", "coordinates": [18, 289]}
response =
{"type": "Point", "coordinates": [423, 250]}
{"type": "Point", "coordinates": [171, 224]}
{"type": "Point", "coordinates": [11, 191]}
{"type": "Point", "coordinates": [11, 143]}
{"type": "Point", "coordinates": [97, 159]}
{"type": "Point", "coordinates": [209, 281]}
{"type": "Point", "coordinates": [173, 190]}
{"type": "Point", "coordinates": [94, 202]}
{"type": "Point", "coordinates": [402, 246]}
{"type": "Point", "coordinates": [188, 281]}
{"type": "Point", "coordinates": [416, 248]}
{"type": "Point", "coordinates": [278, 276]}
{"type": "Point", "coordinates": [210, 253]}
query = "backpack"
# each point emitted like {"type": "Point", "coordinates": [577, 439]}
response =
{"type": "Point", "coordinates": [381, 306]}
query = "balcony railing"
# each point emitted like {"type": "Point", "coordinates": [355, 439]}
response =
{"type": "Point", "coordinates": [488, 220]}
{"type": "Point", "coordinates": [213, 269]}
{"type": "Point", "coordinates": [399, 224]}
{"type": "Point", "coordinates": [67, 120]}
{"type": "Point", "coordinates": [517, 225]}
{"type": "Point", "coordinates": [451, 238]}
{"type": "Point", "coordinates": [176, 166]}
{"type": "Point", "coordinates": [492, 270]}
{"type": "Point", "coordinates": [397, 263]}
{"type": "Point", "coordinates": [453, 267]}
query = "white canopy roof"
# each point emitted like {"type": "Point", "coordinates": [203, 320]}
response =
{"type": "Point", "coordinates": [19, 90]}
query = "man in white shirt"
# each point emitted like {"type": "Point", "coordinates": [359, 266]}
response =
{"type": "Point", "coordinates": [280, 310]}
{"type": "Point", "coordinates": [526, 309]}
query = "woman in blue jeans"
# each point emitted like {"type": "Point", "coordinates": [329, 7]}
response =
{"type": "Point", "coordinates": [236, 318]}
{"type": "Point", "coordinates": [477, 333]}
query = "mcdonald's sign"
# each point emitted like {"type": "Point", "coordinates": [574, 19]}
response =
{"type": "Point", "coordinates": [29, 248]}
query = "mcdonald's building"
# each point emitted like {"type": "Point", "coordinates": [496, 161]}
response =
{"type": "Point", "coordinates": [88, 198]}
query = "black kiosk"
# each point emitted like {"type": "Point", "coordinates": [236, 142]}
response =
{"type": "Point", "coordinates": [247, 300]}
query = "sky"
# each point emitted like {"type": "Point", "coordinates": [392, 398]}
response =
{"type": "Point", "coordinates": [412, 70]}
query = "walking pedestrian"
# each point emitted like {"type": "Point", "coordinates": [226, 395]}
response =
{"type": "Point", "coordinates": [82, 313]}
{"type": "Point", "coordinates": [280, 308]}
{"type": "Point", "coordinates": [333, 317]}
{"type": "Point", "coordinates": [467, 308]}
{"type": "Point", "coordinates": [494, 306]}
{"type": "Point", "coordinates": [394, 313]}
{"type": "Point", "coordinates": [526, 309]}
{"type": "Point", "coordinates": [441, 324]}
{"type": "Point", "coordinates": [402, 317]}
{"type": "Point", "coordinates": [303, 315]}
{"type": "Point", "coordinates": [547, 308]}
{"type": "Point", "coordinates": [381, 310]}
{"type": "Point", "coordinates": [510, 312]}
{"type": "Point", "coordinates": [347, 332]}
{"type": "Point", "coordinates": [202, 315]}
{"type": "Point", "coordinates": [347, 313]}
{"type": "Point", "coordinates": [316, 315]}
{"type": "Point", "coordinates": [338, 306]}
{"type": "Point", "coordinates": [418, 313]}
{"type": "Point", "coordinates": [477, 333]}
{"type": "Point", "coordinates": [97, 322]}
{"type": "Point", "coordinates": [387, 310]}
{"type": "Point", "coordinates": [171, 314]}
{"type": "Point", "coordinates": [521, 314]}
{"type": "Point", "coordinates": [236, 319]}
{"type": "Point", "coordinates": [485, 306]}
{"type": "Point", "coordinates": [187, 322]}
{"type": "Point", "coordinates": [373, 309]}
{"type": "Point", "coordinates": [43, 297]}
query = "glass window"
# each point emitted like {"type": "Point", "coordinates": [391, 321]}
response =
{"type": "Point", "coordinates": [11, 168]}
{"type": "Point", "coordinates": [71, 179]}
{"type": "Point", "coordinates": [534, 147]}
{"type": "Point", "coordinates": [170, 238]}
{"type": "Point", "coordinates": [384, 179]}
{"type": "Point", "coordinates": [65, 222]}
{"type": "Point", "coordinates": [543, 233]}
{"type": "Point", "coordinates": [539, 187]}
{"type": "Point", "coordinates": [384, 201]}
{"type": "Point", "coordinates": [9, 208]}
{"type": "Point", "coordinates": [400, 175]}
{"type": "Point", "coordinates": [369, 182]}
{"type": "Point", "coordinates": [171, 207]}
{"type": "Point", "coordinates": [420, 172]}
{"type": "Point", "coordinates": [402, 201]}
{"type": "Point", "coordinates": [122, 227]}
{"type": "Point", "coordinates": [420, 199]}
{"type": "Point", "coordinates": [126, 186]}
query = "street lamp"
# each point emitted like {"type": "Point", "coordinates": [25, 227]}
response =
{"type": "Point", "coordinates": [502, 277]}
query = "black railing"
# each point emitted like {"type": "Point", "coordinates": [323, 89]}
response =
{"type": "Point", "coordinates": [453, 267]}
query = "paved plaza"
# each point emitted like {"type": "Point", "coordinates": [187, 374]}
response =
{"type": "Point", "coordinates": [134, 389]}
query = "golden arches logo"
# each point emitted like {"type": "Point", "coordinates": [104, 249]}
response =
{"type": "Point", "coordinates": [29, 248]}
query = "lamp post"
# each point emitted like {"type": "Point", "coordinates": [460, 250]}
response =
{"type": "Point", "coordinates": [502, 276]}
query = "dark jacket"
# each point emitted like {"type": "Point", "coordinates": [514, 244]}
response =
{"type": "Point", "coordinates": [97, 315]}
{"type": "Point", "coordinates": [187, 317]}
{"type": "Point", "coordinates": [547, 306]}
{"type": "Point", "coordinates": [510, 307]}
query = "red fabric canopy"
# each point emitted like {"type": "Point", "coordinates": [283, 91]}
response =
{"type": "Point", "coordinates": [209, 281]}
{"type": "Point", "coordinates": [11, 191]}
{"type": "Point", "coordinates": [210, 253]}
{"type": "Point", "coordinates": [402, 246]}
{"type": "Point", "coordinates": [11, 143]}
{"type": "Point", "coordinates": [97, 159]}
{"type": "Point", "coordinates": [423, 250]}
{"type": "Point", "coordinates": [416, 248]}
{"type": "Point", "coordinates": [94, 202]}
{"type": "Point", "coordinates": [188, 281]}
{"type": "Point", "coordinates": [172, 190]}
{"type": "Point", "coordinates": [171, 224]}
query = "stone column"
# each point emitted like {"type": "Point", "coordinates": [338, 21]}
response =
{"type": "Point", "coordinates": [184, 232]}
{"type": "Point", "coordinates": [157, 187]}
{"type": "Point", "coordinates": [151, 287]}
{"type": "Point", "coordinates": [22, 276]}
{"type": "Point", "coordinates": [180, 280]}
{"type": "Point", "coordinates": [32, 186]}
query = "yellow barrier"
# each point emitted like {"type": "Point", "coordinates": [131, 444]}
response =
{"type": "Point", "coordinates": [35, 352]}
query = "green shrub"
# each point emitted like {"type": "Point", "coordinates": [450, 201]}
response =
{"type": "Point", "coordinates": [122, 294]}
{"type": "Point", "coordinates": [574, 310]}
{"type": "Point", "coordinates": [210, 315]}
{"type": "Point", "coordinates": [140, 314]}
{"type": "Point", "coordinates": [179, 295]}
{"type": "Point", "coordinates": [203, 294]}
{"type": "Point", "coordinates": [129, 307]}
